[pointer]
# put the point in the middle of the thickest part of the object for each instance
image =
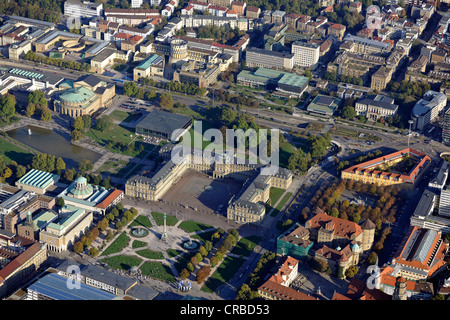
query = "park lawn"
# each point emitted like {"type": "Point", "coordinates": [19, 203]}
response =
{"type": "Point", "coordinates": [225, 271]}
{"type": "Point", "coordinates": [11, 152]}
{"type": "Point", "coordinates": [159, 219]}
{"type": "Point", "coordinates": [204, 236]}
{"type": "Point", "coordinates": [286, 150]}
{"type": "Point", "coordinates": [158, 270]}
{"type": "Point", "coordinates": [193, 226]}
{"type": "Point", "coordinates": [246, 245]}
{"type": "Point", "coordinates": [173, 252]}
{"type": "Point", "coordinates": [118, 244]}
{"type": "Point", "coordinates": [149, 254]}
{"type": "Point", "coordinates": [275, 194]}
{"type": "Point", "coordinates": [122, 262]}
{"type": "Point", "coordinates": [124, 116]}
{"type": "Point", "coordinates": [117, 133]}
{"type": "Point", "coordinates": [141, 221]}
{"type": "Point", "coordinates": [283, 201]}
{"type": "Point", "coordinates": [138, 244]}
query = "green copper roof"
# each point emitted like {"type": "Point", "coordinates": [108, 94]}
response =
{"type": "Point", "coordinates": [77, 95]}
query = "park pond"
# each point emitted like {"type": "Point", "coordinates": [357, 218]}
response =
{"type": "Point", "coordinates": [54, 143]}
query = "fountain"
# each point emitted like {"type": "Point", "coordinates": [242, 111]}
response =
{"type": "Point", "coordinates": [29, 131]}
{"type": "Point", "coordinates": [139, 232]}
{"type": "Point", "coordinates": [190, 245]}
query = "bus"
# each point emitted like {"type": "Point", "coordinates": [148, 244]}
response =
{"type": "Point", "coordinates": [119, 80]}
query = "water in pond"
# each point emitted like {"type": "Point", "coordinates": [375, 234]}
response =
{"type": "Point", "coordinates": [53, 142]}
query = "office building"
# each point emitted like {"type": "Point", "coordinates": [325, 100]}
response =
{"type": "Point", "coordinates": [377, 107]}
{"type": "Point", "coordinates": [427, 109]}
{"type": "Point", "coordinates": [82, 9]}
{"type": "Point", "coordinates": [306, 54]}
{"type": "Point", "coordinates": [269, 59]}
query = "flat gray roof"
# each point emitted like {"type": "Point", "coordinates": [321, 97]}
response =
{"type": "Point", "coordinates": [163, 121]}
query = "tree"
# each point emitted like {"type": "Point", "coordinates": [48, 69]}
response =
{"type": "Point", "coordinates": [184, 273]}
{"type": "Point", "coordinates": [130, 89]}
{"type": "Point", "coordinates": [351, 271]}
{"type": "Point", "coordinates": [78, 124]}
{"type": "Point", "coordinates": [104, 123]}
{"type": "Point", "coordinates": [31, 108]}
{"type": "Point", "coordinates": [87, 121]}
{"type": "Point", "coordinates": [7, 107]}
{"type": "Point", "coordinates": [166, 101]}
{"type": "Point", "coordinates": [78, 247]}
{"type": "Point", "coordinates": [60, 202]}
{"type": "Point", "coordinates": [46, 115]}
{"type": "Point", "coordinates": [348, 112]}
{"type": "Point", "coordinates": [203, 273]}
{"type": "Point", "coordinates": [20, 171]}
{"type": "Point", "coordinates": [93, 252]}
{"type": "Point", "coordinates": [60, 165]}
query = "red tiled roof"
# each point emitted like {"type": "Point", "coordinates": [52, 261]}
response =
{"type": "Point", "coordinates": [342, 228]}
{"type": "Point", "coordinates": [366, 166]}
{"type": "Point", "coordinates": [109, 199]}
{"type": "Point", "coordinates": [284, 293]}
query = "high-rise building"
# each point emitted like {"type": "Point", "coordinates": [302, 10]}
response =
{"type": "Point", "coordinates": [306, 54]}
{"type": "Point", "coordinates": [86, 9]}
{"type": "Point", "coordinates": [446, 128]}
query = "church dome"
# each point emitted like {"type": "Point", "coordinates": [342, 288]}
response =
{"type": "Point", "coordinates": [355, 247]}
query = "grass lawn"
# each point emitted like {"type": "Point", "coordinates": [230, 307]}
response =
{"type": "Point", "coordinates": [204, 236]}
{"type": "Point", "coordinates": [159, 219]}
{"type": "Point", "coordinates": [149, 254]}
{"type": "Point", "coordinates": [226, 270]}
{"type": "Point", "coordinates": [158, 270]}
{"type": "Point", "coordinates": [11, 152]}
{"type": "Point", "coordinates": [246, 245]}
{"type": "Point", "coordinates": [286, 150]}
{"type": "Point", "coordinates": [283, 201]}
{"type": "Point", "coordinates": [141, 221]}
{"type": "Point", "coordinates": [112, 166]}
{"type": "Point", "coordinates": [173, 252]}
{"type": "Point", "coordinates": [193, 226]}
{"type": "Point", "coordinates": [122, 262]}
{"type": "Point", "coordinates": [138, 244]}
{"type": "Point", "coordinates": [124, 116]}
{"type": "Point", "coordinates": [117, 134]}
{"type": "Point", "coordinates": [118, 244]}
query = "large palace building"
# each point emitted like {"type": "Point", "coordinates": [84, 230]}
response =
{"type": "Point", "coordinates": [403, 168]}
{"type": "Point", "coordinates": [245, 207]}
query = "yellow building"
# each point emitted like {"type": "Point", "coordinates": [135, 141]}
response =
{"type": "Point", "coordinates": [85, 96]}
{"type": "Point", "coordinates": [374, 171]}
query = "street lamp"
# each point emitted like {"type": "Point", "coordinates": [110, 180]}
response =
{"type": "Point", "coordinates": [409, 133]}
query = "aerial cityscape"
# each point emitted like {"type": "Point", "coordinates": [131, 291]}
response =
{"type": "Point", "coordinates": [221, 150]}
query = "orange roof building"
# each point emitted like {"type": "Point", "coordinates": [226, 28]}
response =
{"type": "Point", "coordinates": [277, 287]}
{"type": "Point", "coordinates": [421, 254]}
{"type": "Point", "coordinates": [339, 242]}
{"type": "Point", "coordinates": [375, 171]}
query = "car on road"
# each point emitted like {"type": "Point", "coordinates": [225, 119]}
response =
{"type": "Point", "coordinates": [346, 138]}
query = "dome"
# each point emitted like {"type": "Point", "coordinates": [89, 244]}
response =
{"type": "Point", "coordinates": [81, 189]}
{"type": "Point", "coordinates": [81, 180]}
{"type": "Point", "coordinates": [355, 248]}
{"type": "Point", "coordinates": [338, 248]}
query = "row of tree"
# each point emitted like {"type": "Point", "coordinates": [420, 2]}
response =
{"type": "Point", "coordinates": [68, 64]}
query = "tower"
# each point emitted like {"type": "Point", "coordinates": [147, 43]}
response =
{"type": "Point", "coordinates": [164, 234]}
{"type": "Point", "coordinates": [400, 289]}
{"type": "Point", "coordinates": [368, 228]}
